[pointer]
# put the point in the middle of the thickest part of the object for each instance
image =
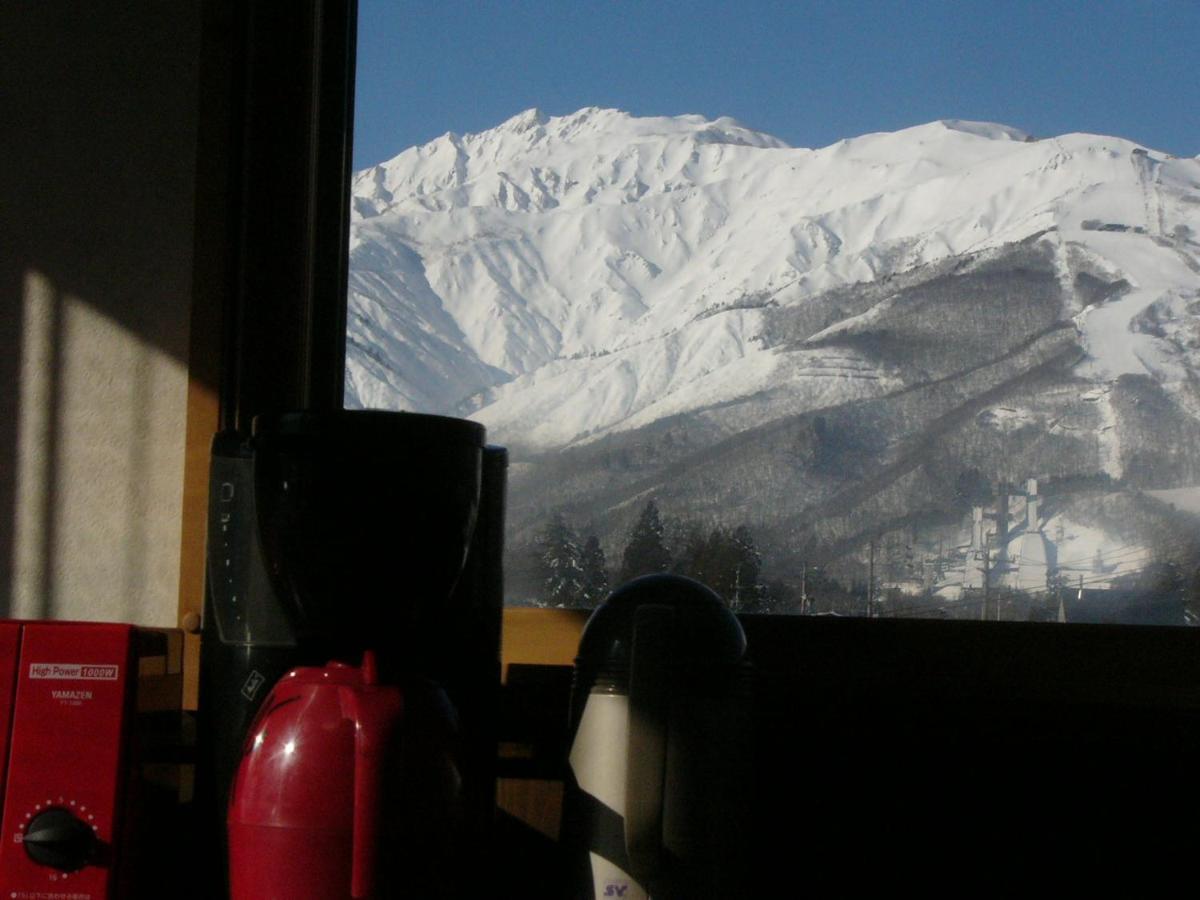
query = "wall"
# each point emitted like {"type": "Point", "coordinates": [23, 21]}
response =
{"type": "Point", "coordinates": [99, 107]}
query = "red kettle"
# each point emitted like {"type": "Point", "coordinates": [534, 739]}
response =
{"type": "Point", "coordinates": [304, 811]}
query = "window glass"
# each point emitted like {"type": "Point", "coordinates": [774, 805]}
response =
{"type": "Point", "coordinates": [844, 309]}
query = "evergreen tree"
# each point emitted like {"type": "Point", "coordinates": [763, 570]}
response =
{"type": "Point", "coordinates": [698, 555]}
{"type": "Point", "coordinates": [747, 566]}
{"type": "Point", "coordinates": [726, 561]}
{"type": "Point", "coordinates": [721, 563]}
{"type": "Point", "coordinates": [595, 572]}
{"type": "Point", "coordinates": [560, 564]}
{"type": "Point", "coordinates": [646, 552]}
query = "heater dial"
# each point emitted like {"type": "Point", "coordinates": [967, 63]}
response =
{"type": "Point", "coordinates": [56, 837]}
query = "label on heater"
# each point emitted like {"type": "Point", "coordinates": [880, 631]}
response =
{"type": "Point", "coordinates": [71, 698]}
{"type": "Point", "coordinates": [74, 671]}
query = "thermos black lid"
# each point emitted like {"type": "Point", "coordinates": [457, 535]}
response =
{"type": "Point", "coordinates": [707, 633]}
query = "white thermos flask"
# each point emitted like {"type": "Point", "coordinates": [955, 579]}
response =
{"type": "Point", "coordinates": [659, 751]}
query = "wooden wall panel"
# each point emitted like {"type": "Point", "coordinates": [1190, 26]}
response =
{"type": "Point", "coordinates": [546, 636]}
{"type": "Point", "coordinates": [201, 425]}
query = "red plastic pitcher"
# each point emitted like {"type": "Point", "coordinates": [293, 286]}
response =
{"type": "Point", "coordinates": [304, 812]}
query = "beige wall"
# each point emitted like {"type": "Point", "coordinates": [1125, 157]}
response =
{"type": "Point", "coordinates": [97, 161]}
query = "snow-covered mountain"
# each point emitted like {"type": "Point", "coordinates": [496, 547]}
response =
{"type": "Point", "coordinates": [558, 278]}
{"type": "Point", "coordinates": [702, 299]}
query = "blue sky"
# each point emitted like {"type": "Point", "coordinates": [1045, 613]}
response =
{"type": "Point", "coordinates": [807, 72]}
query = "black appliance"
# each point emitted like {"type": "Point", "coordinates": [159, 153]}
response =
{"type": "Point", "coordinates": [336, 531]}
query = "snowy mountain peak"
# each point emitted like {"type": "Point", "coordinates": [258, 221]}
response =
{"type": "Point", "coordinates": [594, 122]}
{"type": "Point", "coordinates": [823, 343]}
{"type": "Point", "coordinates": [917, 136]}
{"type": "Point", "coordinates": [567, 277]}
{"type": "Point", "coordinates": [990, 130]}
{"type": "Point", "coordinates": [532, 161]}
{"type": "Point", "coordinates": [525, 121]}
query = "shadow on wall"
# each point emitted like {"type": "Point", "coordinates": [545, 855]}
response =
{"type": "Point", "coordinates": [34, 479]}
{"type": "Point", "coordinates": [10, 365]}
{"type": "Point", "coordinates": [96, 232]}
{"type": "Point", "coordinates": [99, 421]}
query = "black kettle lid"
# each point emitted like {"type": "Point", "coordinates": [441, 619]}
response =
{"type": "Point", "coordinates": [706, 630]}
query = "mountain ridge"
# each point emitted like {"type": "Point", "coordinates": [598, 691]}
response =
{"type": "Point", "coordinates": [537, 269]}
{"type": "Point", "coordinates": [821, 344]}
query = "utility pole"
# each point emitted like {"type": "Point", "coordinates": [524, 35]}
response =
{"type": "Point", "coordinates": [987, 580]}
{"type": "Point", "coordinates": [804, 589]}
{"type": "Point", "coordinates": [871, 582]}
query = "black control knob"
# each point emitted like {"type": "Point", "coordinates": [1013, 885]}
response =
{"type": "Point", "coordinates": [55, 837]}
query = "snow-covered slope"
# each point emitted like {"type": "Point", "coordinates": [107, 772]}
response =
{"type": "Point", "coordinates": [564, 278]}
{"type": "Point", "coordinates": [830, 346]}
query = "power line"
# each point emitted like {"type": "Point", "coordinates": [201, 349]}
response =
{"type": "Point", "coordinates": [968, 603]}
{"type": "Point", "coordinates": [1119, 552]}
